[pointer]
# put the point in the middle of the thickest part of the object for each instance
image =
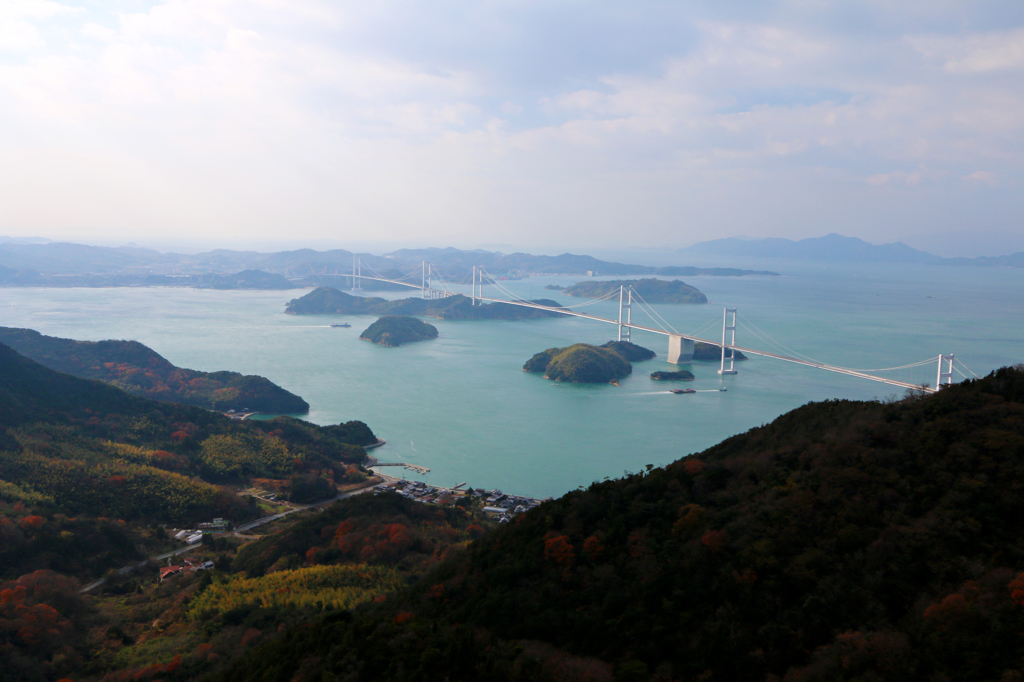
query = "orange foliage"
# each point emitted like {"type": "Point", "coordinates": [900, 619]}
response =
{"type": "Point", "coordinates": [715, 540]}
{"type": "Point", "coordinates": [561, 551]}
{"type": "Point", "coordinates": [693, 466]}
{"type": "Point", "coordinates": [1017, 589]}
{"type": "Point", "coordinates": [436, 591]}
{"type": "Point", "coordinates": [311, 554]}
{"type": "Point", "coordinates": [32, 522]}
{"type": "Point", "coordinates": [593, 547]}
{"type": "Point", "coordinates": [403, 617]}
{"type": "Point", "coordinates": [179, 435]}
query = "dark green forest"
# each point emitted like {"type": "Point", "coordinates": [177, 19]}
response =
{"type": "Point", "coordinates": [844, 541]}
{"type": "Point", "coordinates": [141, 371]}
{"type": "Point", "coordinates": [581, 363]}
{"type": "Point", "coordinates": [395, 330]}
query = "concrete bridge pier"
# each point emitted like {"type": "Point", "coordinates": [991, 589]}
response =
{"type": "Point", "coordinates": [680, 350]}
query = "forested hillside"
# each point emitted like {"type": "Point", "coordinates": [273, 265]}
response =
{"type": "Point", "coordinates": [844, 541]}
{"type": "Point", "coordinates": [83, 447]}
{"type": "Point", "coordinates": [139, 370]}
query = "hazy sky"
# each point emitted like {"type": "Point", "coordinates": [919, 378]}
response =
{"type": "Point", "coordinates": [549, 123]}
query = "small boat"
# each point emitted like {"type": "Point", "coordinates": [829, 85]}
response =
{"type": "Point", "coordinates": [682, 390]}
{"type": "Point", "coordinates": [341, 324]}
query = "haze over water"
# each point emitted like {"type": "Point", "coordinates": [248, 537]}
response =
{"type": "Point", "coordinates": [461, 405]}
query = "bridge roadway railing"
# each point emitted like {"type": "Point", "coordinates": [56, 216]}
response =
{"type": "Point", "coordinates": [752, 351]}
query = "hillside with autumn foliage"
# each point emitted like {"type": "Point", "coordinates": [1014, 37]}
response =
{"type": "Point", "coordinates": [141, 371]}
{"type": "Point", "coordinates": [71, 447]}
{"type": "Point", "coordinates": [843, 541]}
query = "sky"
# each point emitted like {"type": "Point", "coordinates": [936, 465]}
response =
{"type": "Point", "coordinates": [529, 124]}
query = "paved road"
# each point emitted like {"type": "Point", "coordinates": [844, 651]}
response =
{"type": "Point", "coordinates": [244, 527]}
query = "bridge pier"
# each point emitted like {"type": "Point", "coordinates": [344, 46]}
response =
{"type": "Point", "coordinates": [680, 350]}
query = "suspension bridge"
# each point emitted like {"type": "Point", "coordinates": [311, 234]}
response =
{"type": "Point", "coordinates": [680, 345]}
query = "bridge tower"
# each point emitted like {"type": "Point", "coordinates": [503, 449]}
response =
{"type": "Point", "coordinates": [625, 306]}
{"type": "Point", "coordinates": [726, 329]}
{"type": "Point", "coordinates": [948, 374]}
{"type": "Point", "coordinates": [357, 273]}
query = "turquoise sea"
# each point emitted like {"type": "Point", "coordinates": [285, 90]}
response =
{"type": "Point", "coordinates": [461, 405]}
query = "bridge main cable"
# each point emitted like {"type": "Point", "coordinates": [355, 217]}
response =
{"type": "Point", "coordinates": [742, 349]}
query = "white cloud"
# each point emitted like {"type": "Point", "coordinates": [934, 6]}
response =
{"type": "Point", "coordinates": [975, 53]}
{"type": "Point", "coordinates": [246, 116]}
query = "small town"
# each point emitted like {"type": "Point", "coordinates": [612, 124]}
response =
{"type": "Point", "coordinates": [495, 502]}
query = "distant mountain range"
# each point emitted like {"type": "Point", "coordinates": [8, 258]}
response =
{"type": "Point", "coordinates": [32, 263]}
{"type": "Point", "coordinates": [837, 248]}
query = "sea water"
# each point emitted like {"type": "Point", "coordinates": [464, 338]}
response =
{"type": "Point", "coordinates": [462, 406]}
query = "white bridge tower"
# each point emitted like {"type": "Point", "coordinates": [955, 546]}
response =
{"type": "Point", "coordinates": [726, 329]}
{"type": "Point", "coordinates": [357, 273]}
{"type": "Point", "coordinates": [944, 378]}
{"type": "Point", "coordinates": [625, 306]}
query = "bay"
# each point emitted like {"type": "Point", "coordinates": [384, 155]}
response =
{"type": "Point", "coordinates": [461, 405]}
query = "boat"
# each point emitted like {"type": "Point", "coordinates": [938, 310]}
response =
{"type": "Point", "coordinates": [341, 324]}
{"type": "Point", "coordinates": [682, 390]}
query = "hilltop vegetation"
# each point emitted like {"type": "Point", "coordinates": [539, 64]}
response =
{"type": "Point", "coordinates": [652, 290]}
{"type": "Point", "coordinates": [680, 375]}
{"type": "Point", "coordinates": [844, 541]}
{"type": "Point", "coordinates": [580, 363]}
{"type": "Point", "coordinates": [584, 363]}
{"type": "Point", "coordinates": [329, 301]}
{"type": "Point", "coordinates": [711, 352]}
{"type": "Point", "coordinates": [630, 351]}
{"type": "Point", "coordinates": [139, 370]}
{"type": "Point", "coordinates": [394, 330]}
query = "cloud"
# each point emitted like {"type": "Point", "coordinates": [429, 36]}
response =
{"type": "Point", "coordinates": [975, 53]}
{"type": "Point", "coordinates": [532, 120]}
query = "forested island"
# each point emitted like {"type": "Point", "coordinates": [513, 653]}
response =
{"type": "Point", "coordinates": [712, 352]}
{"type": "Point", "coordinates": [681, 375]}
{"type": "Point", "coordinates": [141, 371]}
{"type": "Point", "coordinates": [584, 363]}
{"type": "Point", "coordinates": [395, 330]}
{"type": "Point", "coordinates": [651, 290]}
{"type": "Point", "coordinates": [328, 301]}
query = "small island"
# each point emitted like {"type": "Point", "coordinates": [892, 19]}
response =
{"type": "Point", "coordinates": [713, 352]}
{"type": "Point", "coordinates": [580, 363]}
{"type": "Point", "coordinates": [394, 330]}
{"type": "Point", "coordinates": [651, 290]}
{"type": "Point", "coordinates": [681, 375]}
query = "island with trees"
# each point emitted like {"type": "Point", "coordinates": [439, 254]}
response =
{"type": "Point", "coordinates": [580, 363]}
{"type": "Point", "coordinates": [651, 290]}
{"type": "Point", "coordinates": [395, 330]}
{"type": "Point", "coordinates": [681, 375]}
{"type": "Point", "coordinates": [712, 352]}
{"type": "Point", "coordinates": [331, 301]}
{"type": "Point", "coordinates": [141, 371]}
